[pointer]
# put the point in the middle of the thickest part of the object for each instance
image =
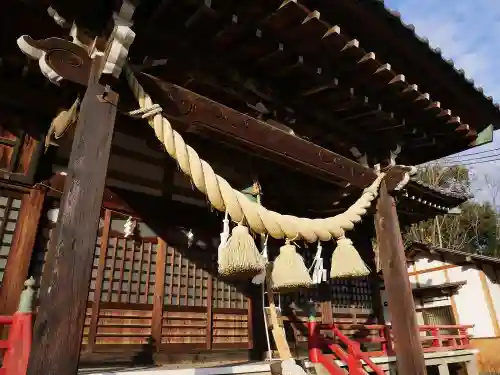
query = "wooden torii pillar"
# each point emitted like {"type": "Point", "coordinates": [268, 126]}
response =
{"type": "Point", "coordinates": [409, 353]}
{"type": "Point", "coordinates": [65, 286]}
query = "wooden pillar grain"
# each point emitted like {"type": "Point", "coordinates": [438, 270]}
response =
{"type": "Point", "coordinates": [17, 267]}
{"type": "Point", "coordinates": [409, 354]}
{"type": "Point", "coordinates": [159, 293]}
{"type": "Point", "coordinates": [57, 336]}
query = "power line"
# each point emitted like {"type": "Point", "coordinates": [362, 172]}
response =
{"type": "Point", "coordinates": [471, 154]}
{"type": "Point", "coordinates": [470, 163]}
{"type": "Point", "coordinates": [470, 159]}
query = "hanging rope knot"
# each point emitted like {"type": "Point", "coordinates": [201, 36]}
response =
{"type": "Point", "coordinates": [224, 197]}
{"type": "Point", "coordinates": [146, 112]}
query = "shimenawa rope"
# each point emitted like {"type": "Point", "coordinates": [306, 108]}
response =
{"type": "Point", "coordinates": [226, 199]}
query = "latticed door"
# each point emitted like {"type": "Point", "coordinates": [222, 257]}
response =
{"type": "Point", "coordinates": [144, 292]}
{"type": "Point", "coordinates": [10, 204]}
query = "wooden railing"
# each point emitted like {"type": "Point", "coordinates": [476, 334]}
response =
{"type": "Point", "coordinates": [17, 346]}
{"type": "Point", "coordinates": [342, 349]}
{"type": "Point", "coordinates": [377, 340]}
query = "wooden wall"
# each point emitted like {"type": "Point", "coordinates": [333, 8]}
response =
{"type": "Point", "coordinates": [20, 146]}
{"type": "Point", "coordinates": [155, 292]}
{"type": "Point", "coordinates": [144, 292]}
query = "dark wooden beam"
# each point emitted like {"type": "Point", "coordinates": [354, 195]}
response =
{"type": "Point", "coordinates": [59, 325]}
{"type": "Point", "coordinates": [16, 269]}
{"type": "Point", "coordinates": [409, 354]}
{"type": "Point", "coordinates": [202, 114]}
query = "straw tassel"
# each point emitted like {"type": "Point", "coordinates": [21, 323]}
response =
{"type": "Point", "coordinates": [289, 271]}
{"type": "Point", "coordinates": [319, 272]}
{"type": "Point", "coordinates": [224, 235]}
{"type": "Point", "coordinates": [346, 261]}
{"type": "Point", "coordinates": [240, 258]}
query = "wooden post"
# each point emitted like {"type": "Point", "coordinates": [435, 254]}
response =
{"type": "Point", "coordinates": [159, 293]}
{"type": "Point", "coordinates": [16, 269]}
{"type": "Point", "coordinates": [58, 330]}
{"type": "Point", "coordinates": [410, 357]}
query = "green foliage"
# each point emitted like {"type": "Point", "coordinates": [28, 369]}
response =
{"type": "Point", "coordinates": [475, 230]}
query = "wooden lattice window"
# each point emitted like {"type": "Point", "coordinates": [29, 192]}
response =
{"type": "Point", "coordinates": [129, 275]}
{"type": "Point", "coordinates": [10, 204]}
{"type": "Point", "coordinates": [226, 295]}
{"type": "Point", "coordinates": [46, 234]}
{"type": "Point", "coordinates": [186, 281]}
{"type": "Point", "coordinates": [353, 295]}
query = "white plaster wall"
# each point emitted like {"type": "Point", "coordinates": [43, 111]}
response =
{"type": "Point", "coordinates": [470, 302]}
{"type": "Point", "coordinates": [422, 263]}
{"type": "Point", "coordinates": [494, 286]}
{"type": "Point", "coordinates": [428, 278]}
{"type": "Point", "coordinates": [432, 278]}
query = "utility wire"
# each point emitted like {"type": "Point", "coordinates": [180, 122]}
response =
{"type": "Point", "coordinates": [472, 153]}
{"type": "Point", "coordinates": [469, 159]}
{"type": "Point", "coordinates": [458, 164]}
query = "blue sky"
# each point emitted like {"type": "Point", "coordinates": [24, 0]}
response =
{"type": "Point", "coordinates": [468, 32]}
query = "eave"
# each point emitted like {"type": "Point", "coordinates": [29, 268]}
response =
{"type": "Point", "coordinates": [330, 69]}
{"type": "Point", "coordinates": [445, 289]}
{"type": "Point", "coordinates": [385, 32]}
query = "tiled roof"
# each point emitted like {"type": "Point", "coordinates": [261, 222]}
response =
{"type": "Point", "coordinates": [446, 192]}
{"type": "Point", "coordinates": [437, 51]}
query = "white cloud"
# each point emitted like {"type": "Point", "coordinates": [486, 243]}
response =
{"type": "Point", "coordinates": [468, 32]}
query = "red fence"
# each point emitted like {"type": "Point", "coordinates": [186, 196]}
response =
{"type": "Point", "coordinates": [17, 345]}
{"type": "Point", "coordinates": [377, 340]}
{"type": "Point", "coordinates": [342, 349]}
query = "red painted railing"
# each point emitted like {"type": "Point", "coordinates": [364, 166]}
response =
{"type": "Point", "coordinates": [18, 344]}
{"type": "Point", "coordinates": [341, 347]}
{"type": "Point", "coordinates": [377, 340]}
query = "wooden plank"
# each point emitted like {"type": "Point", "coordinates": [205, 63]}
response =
{"type": "Point", "coordinates": [112, 271]}
{"type": "Point", "coordinates": [410, 358]}
{"type": "Point", "coordinates": [59, 324]}
{"type": "Point", "coordinates": [16, 269]}
{"type": "Point", "coordinates": [100, 278]}
{"type": "Point", "coordinates": [210, 314]}
{"type": "Point", "coordinates": [148, 268]}
{"type": "Point", "coordinates": [159, 292]}
{"type": "Point", "coordinates": [261, 138]}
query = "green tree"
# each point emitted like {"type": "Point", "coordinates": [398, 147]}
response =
{"type": "Point", "coordinates": [474, 230]}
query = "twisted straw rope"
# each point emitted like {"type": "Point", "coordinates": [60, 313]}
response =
{"type": "Point", "coordinates": [226, 199]}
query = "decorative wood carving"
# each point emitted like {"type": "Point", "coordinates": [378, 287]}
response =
{"type": "Point", "coordinates": [203, 115]}
{"type": "Point", "coordinates": [62, 59]}
{"type": "Point", "coordinates": [117, 51]}
{"type": "Point", "coordinates": [120, 40]}
{"type": "Point", "coordinates": [61, 21]}
{"type": "Point", "coordinates": [58, 58]}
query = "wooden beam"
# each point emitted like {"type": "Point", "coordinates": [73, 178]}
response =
{"type": "Point", "coordinates": [410, 357]}
{"type": "Point", "coordinates": [212, 118]}
{"type": "Point", "coordinates": [16, 269]}
{"type": "Point", "coordinates": [159, 293]}
{"type": "Point", "coordinates": [59, 325]}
